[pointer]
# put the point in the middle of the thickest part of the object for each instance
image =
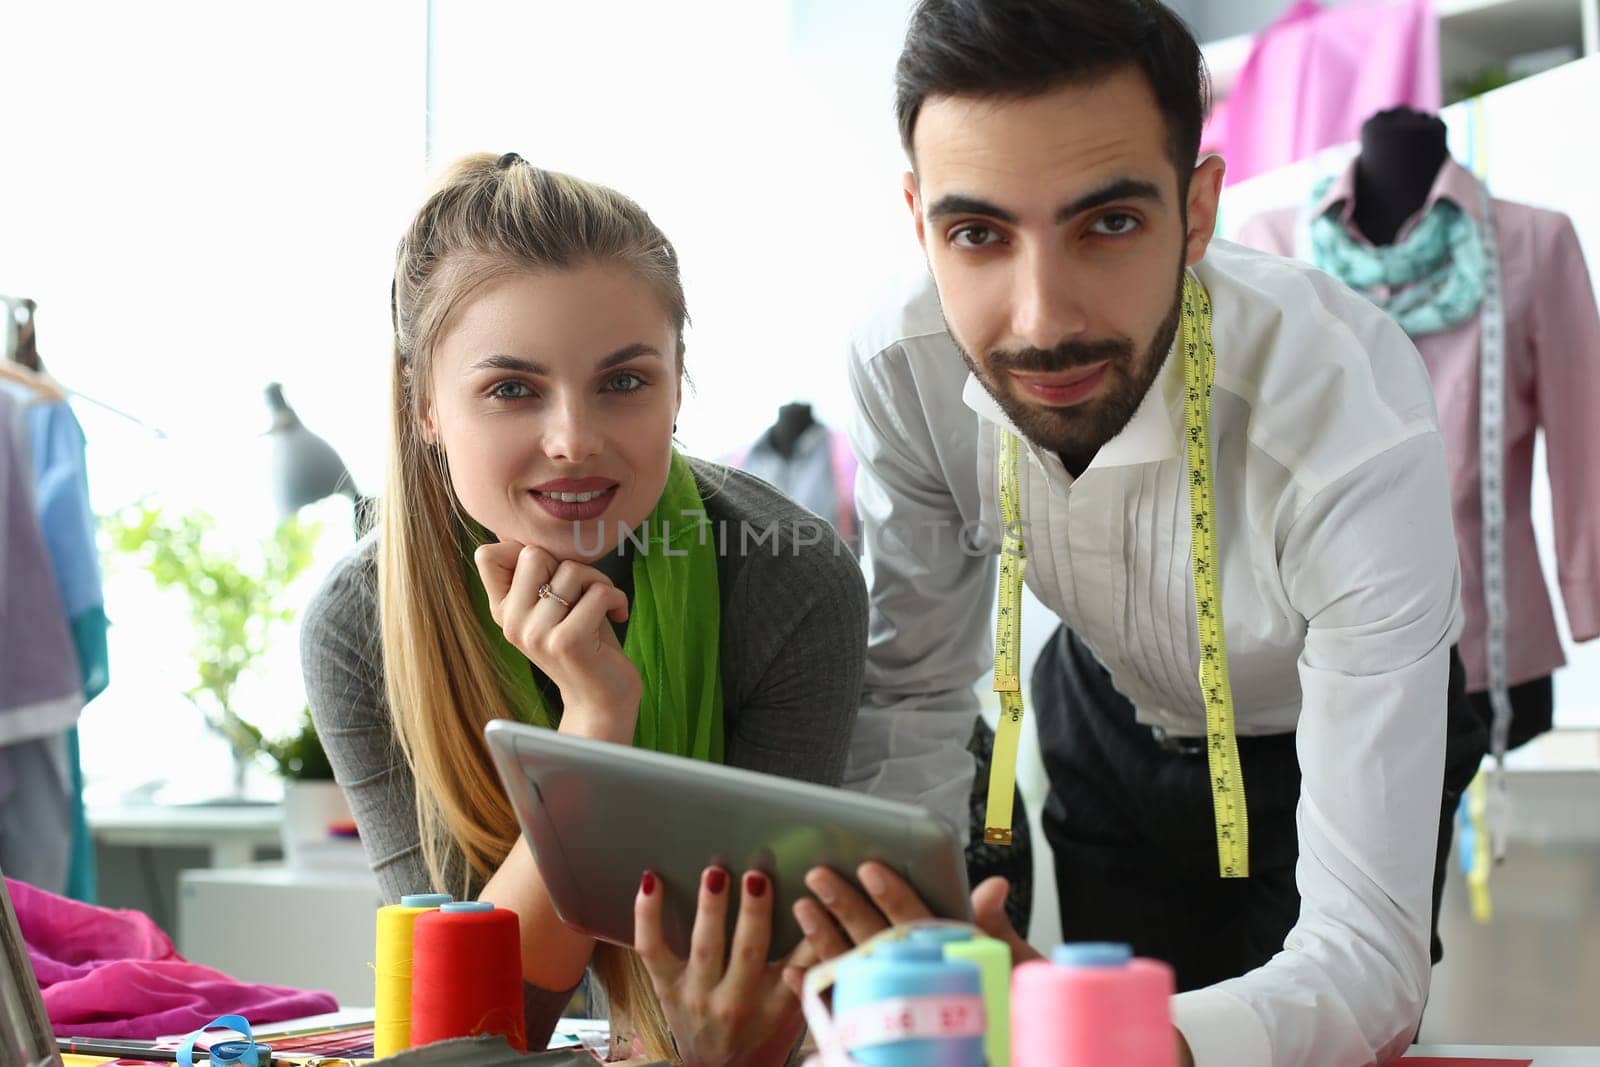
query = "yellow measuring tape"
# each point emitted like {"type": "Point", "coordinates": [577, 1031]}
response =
{"type": "Point", "coordinates": [1222, 748]}
{"type": "Point", "coordinates": [1478, 875]}
{"type": "Point", "coordinates": [1007, 656]}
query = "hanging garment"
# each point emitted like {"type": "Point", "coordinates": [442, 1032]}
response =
{"type": "Point", "coordinates": [40, 697]}
{"type": "Point", "coordinates": [61, 493]}
{"type": "Point", "coordinates": [1552, 372]}
{"type": "Point", "coordinates": [113, 973]}
{"type": "Point", "coordinates": [39, 690]}
{"type": "Point", "coordinates": [1317, 73]}
{"type": "Point", "coordinates": [819, 474]}
{"type": "Point", "coordinates": [36, 812]}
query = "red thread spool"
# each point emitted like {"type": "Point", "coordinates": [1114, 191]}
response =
{"type": "Point", "coordinates": [466, 968]}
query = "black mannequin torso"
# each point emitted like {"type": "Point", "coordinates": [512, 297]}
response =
{"type": "Point", "coordinates": [1401, 153]}
{"type": "Point", "coordinates": [793, 420]}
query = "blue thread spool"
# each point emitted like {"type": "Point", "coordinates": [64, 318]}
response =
{"type": "Point", "coordinates": [909, 970]}
{"type": "Point", "coordinates": [993, 958]}
{"type": "Point", "coordinates": [1092, 954]}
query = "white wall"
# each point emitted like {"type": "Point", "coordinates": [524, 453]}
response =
{"type": "Point", "coordinates": [759, 136]}
{"type": "Point", "coordinates": [203, 198]}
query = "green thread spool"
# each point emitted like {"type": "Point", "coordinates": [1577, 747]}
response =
{"type": "Point", "coordinates": [993, 958]}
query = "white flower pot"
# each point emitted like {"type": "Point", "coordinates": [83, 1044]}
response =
{"type": "Point", "coordinates": [310, 810]}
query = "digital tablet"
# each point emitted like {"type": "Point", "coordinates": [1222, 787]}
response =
{"type": "Point", "coordinates": [597, 815]}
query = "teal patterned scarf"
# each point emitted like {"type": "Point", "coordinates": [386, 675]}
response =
{"type": "Point", "coordinates": [1433, 280]}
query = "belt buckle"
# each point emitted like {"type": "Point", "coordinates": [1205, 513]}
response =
{"type": "Point", "coordinates": [1178, 746]}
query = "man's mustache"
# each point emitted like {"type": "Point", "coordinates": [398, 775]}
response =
{"type": "Point", "coordinates": [1063, 357]}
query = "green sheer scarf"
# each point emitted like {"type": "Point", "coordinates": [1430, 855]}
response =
{"type": "Point", "coordinates": [674, 628]}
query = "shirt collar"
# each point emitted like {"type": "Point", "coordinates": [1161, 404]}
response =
{"type": "Point", "coordinates": [1153, 434]}
{"type": "Point", "coordinates": [1454, 183]}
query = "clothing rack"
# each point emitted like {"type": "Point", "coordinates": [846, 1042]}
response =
{"type": "Point", "coordinates": [37, 380]}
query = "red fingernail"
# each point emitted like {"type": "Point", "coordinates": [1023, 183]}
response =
{"type": "Point", "coordinates": [647, 884]}
{"type": "Point", "coordinates": [755, 885]}
{"type": "Point", "coordinates": [716, 880]}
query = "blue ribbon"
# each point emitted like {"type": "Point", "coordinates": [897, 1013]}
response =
{"type": "Point", "coordinates": [244, 1053]}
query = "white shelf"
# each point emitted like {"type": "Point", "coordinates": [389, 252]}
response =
{"type": "Point", "coordinates": [1472, 34]}
{"type": "Point", "coordinates": [1224, 59]}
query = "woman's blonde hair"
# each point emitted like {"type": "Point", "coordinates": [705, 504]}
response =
{"type": "Point", "coordinates": [488, 217]}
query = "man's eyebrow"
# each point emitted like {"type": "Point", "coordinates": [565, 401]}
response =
{"type": "Point", "coordinates": [958, 204]}
{"type": "Point", "coordinates": [1112, 191]}
{"type": "Point", "coordinates": [1117, 189]}
{"type": "Point", "coordinates": [501, 361]}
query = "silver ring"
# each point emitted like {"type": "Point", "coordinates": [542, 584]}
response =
{"type": "Point", "coordinates": [546, 593]}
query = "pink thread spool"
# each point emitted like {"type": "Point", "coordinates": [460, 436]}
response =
{"type": "Point", "coordinates": [1093, 1005]}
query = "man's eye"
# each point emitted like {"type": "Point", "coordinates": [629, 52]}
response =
{"type": "Point", "coordinates": [973, 236]}
{"type": "Point", "coordinates": [1115, 225]}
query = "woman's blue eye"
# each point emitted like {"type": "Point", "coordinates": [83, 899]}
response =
{"type": "Point", "coordinates": [510, 390]}
{"type": "Point", "coordinates": [1115, 225]}
{"type": "Point", "coordinates": [972, 236]}
{"type": "Point", "coordinates": [625, 382]}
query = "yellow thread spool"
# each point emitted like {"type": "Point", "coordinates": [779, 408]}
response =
{"type": "Point", "coordinates": [391, 1024]}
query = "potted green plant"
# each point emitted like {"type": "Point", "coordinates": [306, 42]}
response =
{"type": "Point", "coordinates": [235, 607]}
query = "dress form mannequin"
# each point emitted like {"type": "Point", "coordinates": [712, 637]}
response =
{"type": "Point", "coordinates": [793, 420]}
{"type": "Point", "coordinates": [1401, 152]}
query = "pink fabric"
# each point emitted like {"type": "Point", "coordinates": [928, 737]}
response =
{"type": "Point", "coordinates": [1552, 363]}
{"type": "Point", "coordinates": [1316, 74]}
{"type": "Point", "coordinates": [108, 973]}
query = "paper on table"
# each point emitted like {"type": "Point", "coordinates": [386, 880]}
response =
{"type": "Point", "coordinates": [1462, 1061]}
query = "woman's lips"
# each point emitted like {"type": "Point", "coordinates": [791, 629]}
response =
{"type": "Point", "coordinates": [1064, 389]}
{"type": "Point", "coordinates": [588, 505]}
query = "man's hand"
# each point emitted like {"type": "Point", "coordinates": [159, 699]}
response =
{"type": "Point", "coordinates": [989, 912]}
{"type": "Point", "coordinates": [844, 917]}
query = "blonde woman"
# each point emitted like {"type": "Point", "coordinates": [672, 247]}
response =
{"type": "Point", "coordinates": [520, 569]}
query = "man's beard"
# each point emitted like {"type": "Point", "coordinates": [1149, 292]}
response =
{"type": "Point", "coordinates": [1079, 431]}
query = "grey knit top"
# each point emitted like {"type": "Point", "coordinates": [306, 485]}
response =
{"type": "Point", "coordinates": [794, 625]}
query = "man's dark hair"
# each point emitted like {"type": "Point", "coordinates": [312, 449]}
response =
{"type": "Point", "coordinates": [1019, 48]}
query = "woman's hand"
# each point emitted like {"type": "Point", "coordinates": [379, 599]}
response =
{"type": "Point", "coordinates": [566, 634]}
{"type": "Point", "coordinates": [739, 1013]}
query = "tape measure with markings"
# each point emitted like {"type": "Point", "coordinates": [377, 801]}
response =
{"type": "Point", "coordinates": [1222, 748]}
{"type": "Point", "coordinates": [1488, 805]}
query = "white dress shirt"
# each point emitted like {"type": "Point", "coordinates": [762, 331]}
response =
{"type": "Point", "coordinates": [1340, 596]}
